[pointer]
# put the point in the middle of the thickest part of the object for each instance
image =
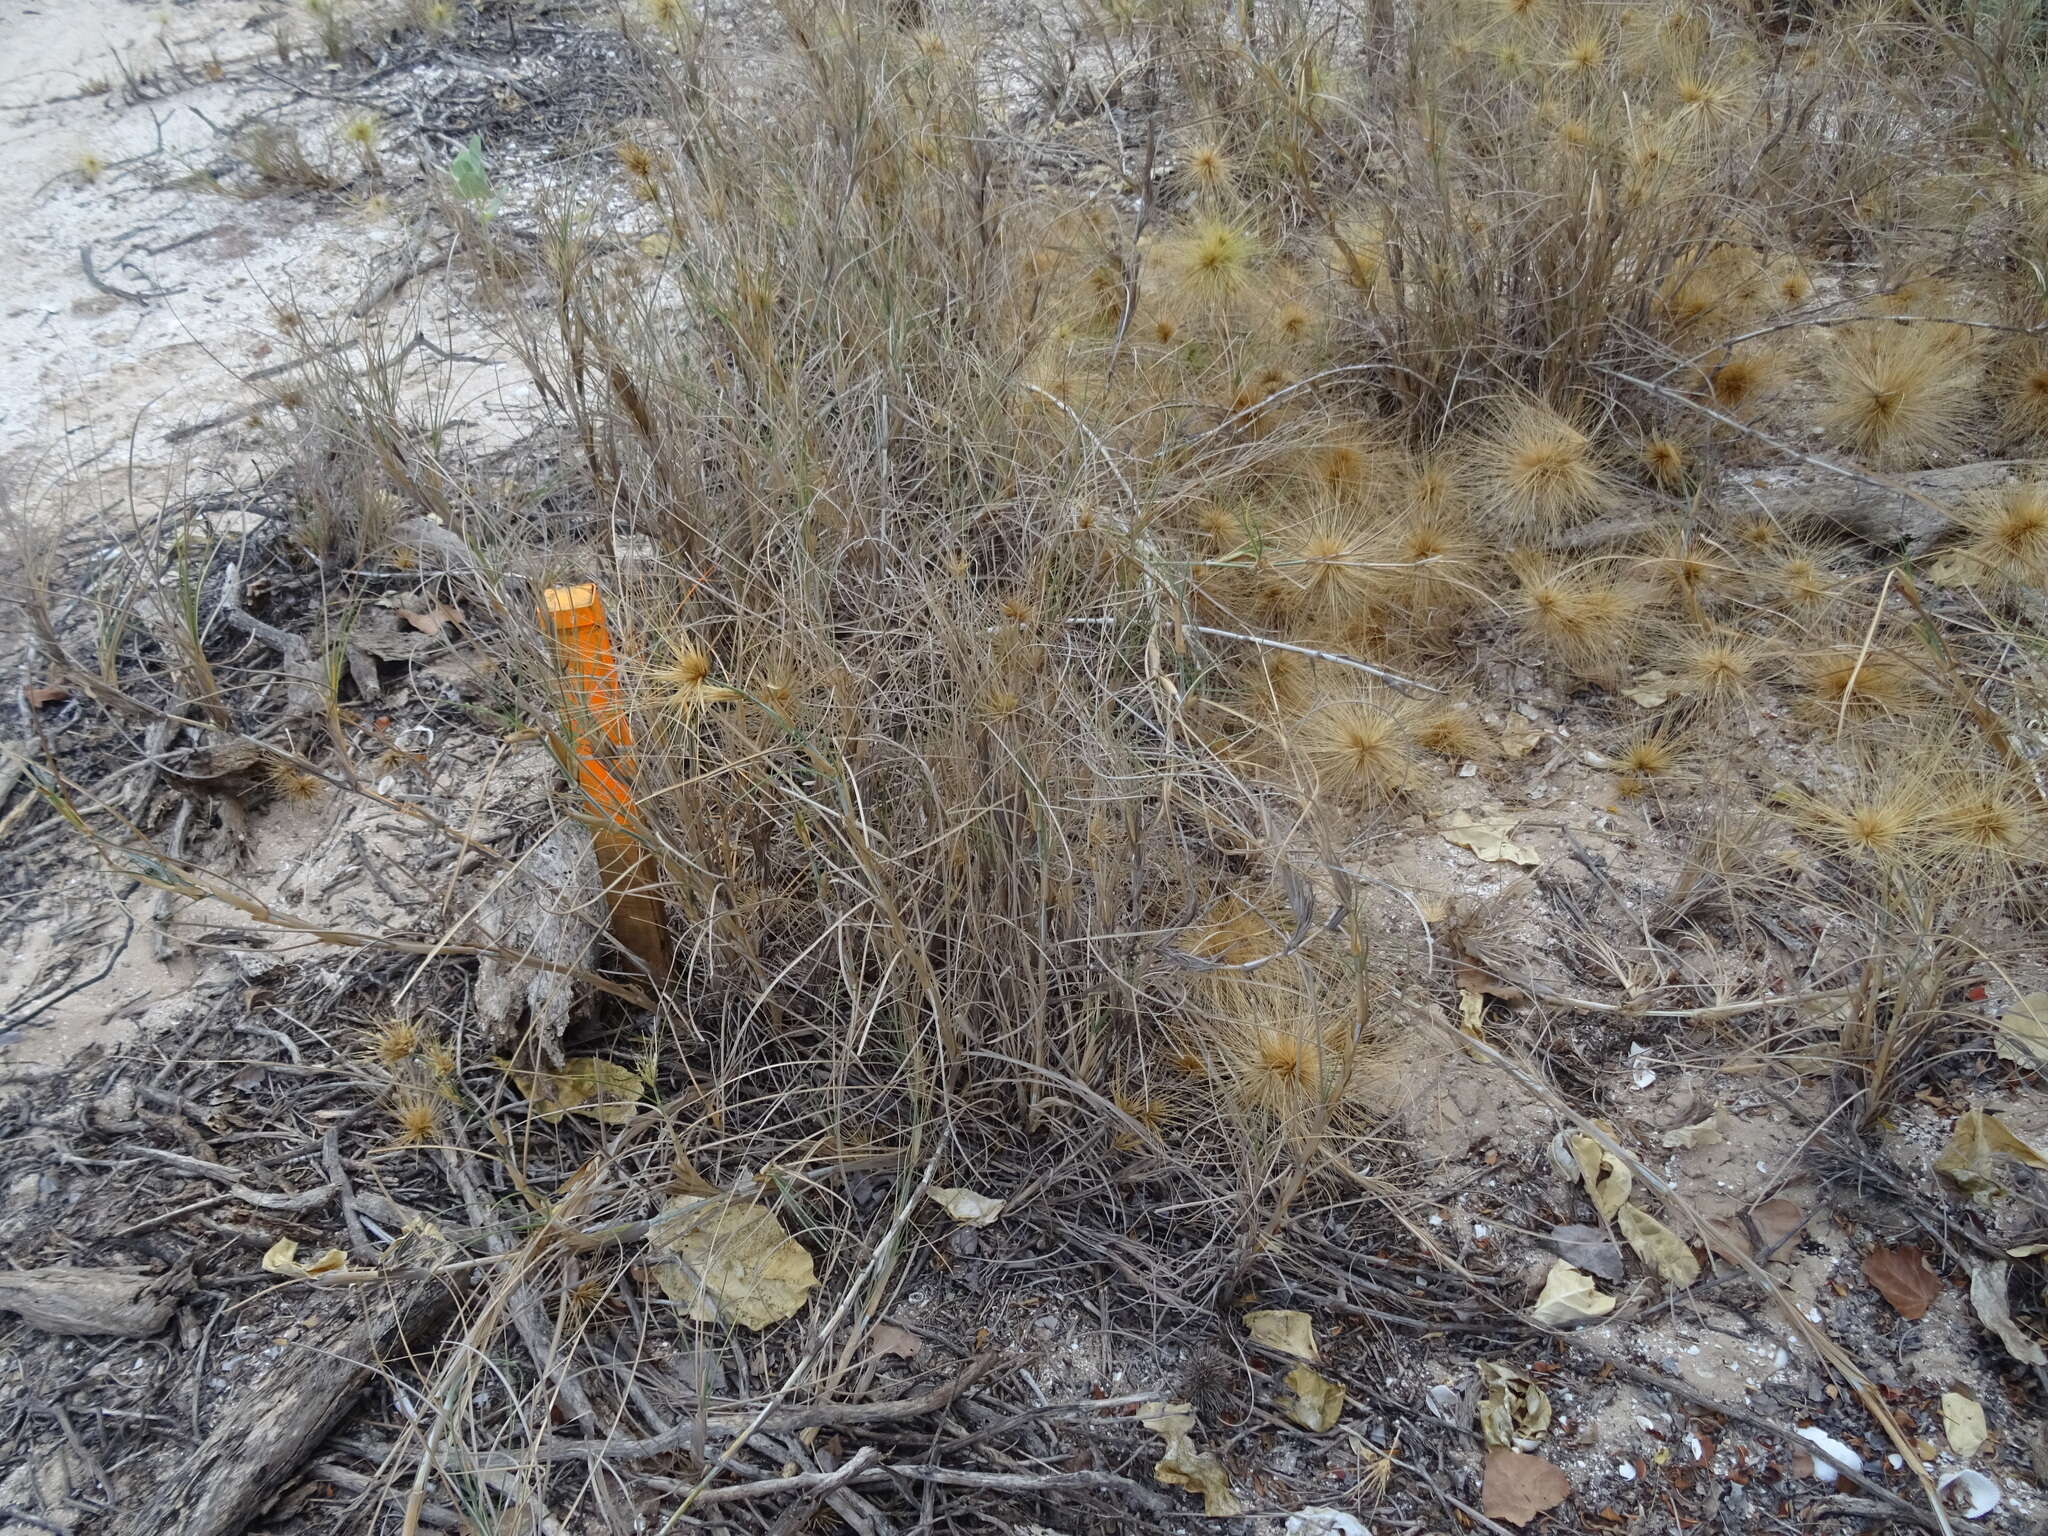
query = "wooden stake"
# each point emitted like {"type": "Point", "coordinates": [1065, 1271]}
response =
{"type": "Point", "coordinates": [601, 736]}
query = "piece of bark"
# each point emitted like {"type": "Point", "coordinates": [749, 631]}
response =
{"type": "Point", "coordinates": [544, 910]}
{"type": "Point", "coordinates": [275, 1421]}
{"type": "Point", "coordinates": [113, 1303]}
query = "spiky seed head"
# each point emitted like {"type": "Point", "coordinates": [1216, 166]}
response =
{"type": "Point", "coordinates": [1987, 822]}
{"type": "Point", "coordinates": [1687, 566]}
{"type": "Point", "coordinates": [1663, 459]}
{"type": "Point", "coordinates": [1539, 472]}
{"type": "Point", "coordinates": [1705, 101]}
{"type": "Point", "coordinates": [636, 158]}
{"type": "Point", "coordinates": [1744, 378]}
{"type": "Point", "coordinates": [1899, 394]}
{"type": "Point", "coordinates": [687, 679]}
{"type": "Point", "coordinates": [1293, 321]}
{"type": "Point", "coordinates": [1220, 526]}
{"type": "Point", "coordinates": [1454, 732]}
{"type": "Point", "coordinates": [1361, 749]}
{"type": "Point", "coordinates": [397, 1040]}
{"type": "Point", "coordinates": [1880, 820]}
{"type": "Point", "coordinates": [417, 1118]}
{"type": "Point", "coordinates": [2025, 395]}
{"type": "Point", "coordinates": [362, 129]}
{"type": "Point", "coordinates": [1757, 532]}
{"type": "Point", "coordinates": [2009, 532]}
{"type": "Point", "coordinates": [1853, 679]}
{"type": "Point", "coordinates": [1793, 287]}
{"type": "Point", "coordinates": [1802, 583]}
{"type": "Point", "coordinates": [1280, 682]}
{"type": "Point", "coordinates": [1584, 53]}
{"type": "Point", "coordinates": [1718, 666]}
{"type": "Point", "coordinates": [293, 783]}
{"type": "Point", "coordinates": [1580, 615]}
{"type": "Point", "coordinates": [1213, 259]}
{"type": "Point", "coordinates": [1210, 168]}
{"type": "Point", "coordinates": [1648, 755]}
{"type": "Point", "coordinates": [1322, 569]}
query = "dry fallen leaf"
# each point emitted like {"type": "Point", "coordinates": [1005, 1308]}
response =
{"type": "Point", "coordinates": [1606, 1177]}
{"type": "Point", "coordinates": [1518, 738]}
{"type": "Point", "coordinates": [1988, 1284]}
{"type": "Point", "coordinates": [1687, 1138]}
{"type": "Point", "coordinates": [1290, 1333]}
{"type": "Point", "coordinates": [1471, 1013]}
{"type": "Point", "coordinates": [730, 1261]}
{"type": "Point", "coordinates": [1902, 1278]}
{"type": "Point", "coordinates": [1776, 1220]}
{"type": "Point", "coordinates": [2023, 1033]}
{"type": "Point", "coordinates": [1569, 1296]}
{"type": "Point", "coordinates": [1978, 1145]}
{"type": "Point", "coordinates": [586, 1085]}
{"type": "Point", "coordinates": [1514, 1410]}
{"type": "Point", "coordinates": [1962, 1420]}
{"type": "Point", "coordinates": [1518, 1488]}
{"type": "Point", "coordinates": [1181, 1465]}
{"type": "Point", "coordinates": [889, 1340]}
{"type": "Point", "coordinates": [1589, 1248]}
{"type": "Point", "coordinates": [1487, 837]}
{"type": "Point", "coordinates": [965, 1206]}
{"type": "Point", "coordinates": [282, 1259]}
{"type": "Point", "coordinates": [1318, 1402]}
{"type": "Point", "coordinates": [1651, 690]}
{"type": "Point", "coordinates": [433, 620]}
{"type": "Point", "coordinates": [1659, 1247]}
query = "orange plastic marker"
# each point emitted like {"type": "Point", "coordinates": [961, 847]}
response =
{"type": "Point", "coordinates": [601, 736]}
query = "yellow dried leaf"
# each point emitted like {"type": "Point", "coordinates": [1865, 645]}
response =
{"type": "Point", "coordinates": [1978, 1145]}
{"type": "Point", "coordinates": [2023, 1033]}
{"type": "Point", "coordinates": [282, 1259]}
{"type": "Point", "coordinates": [1651, 690]}
{"type": "Point", "coordinates": [1182, 1466]}
{"type": "Point", "coordinates": [1518, 739]}
{"type": "Point", "coordinates": [1658, 1246]}
{"type": "Point", "coordinates": [1472, 1013]}
{"type": "Point", "coordinates": [1569, 1296]}
{"type": "Point", "coordinates": [730, 1261]}
{"type": "Point", "coordinates": [1487, 837]}
{"type": "Point", "coordinates": [1606, 1177]}
{"type": "Point", "coordinates": [1290, 1333]}
{"type": "Point", "coordinates": [1318, 1402]}
{"type": "Point", "coordinates": [965, 1206]}
{"type": "Point", "coordinates": [586, 1085]}
{"type": "Point", "coordinates": [1513, 1407]}
{"type": "Point", "coordinates": [1962, 1420]}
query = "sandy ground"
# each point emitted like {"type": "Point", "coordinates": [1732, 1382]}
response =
{"type": "Point", "coordinates": [143, 309]}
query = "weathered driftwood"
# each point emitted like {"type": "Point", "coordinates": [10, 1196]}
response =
{"type": "Point", "coordinates": [1803, 496]}
{"type": "Point", "coordinates": [277, 1420]}
{"type": "Point", "coordinates": [121, 1302]}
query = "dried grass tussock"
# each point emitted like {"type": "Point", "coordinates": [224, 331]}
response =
{"type": "Point", "coordinates": [1187, 582]}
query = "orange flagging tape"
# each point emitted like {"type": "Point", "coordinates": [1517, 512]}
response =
{"type": "Point", "coordinates": [601, 737]}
